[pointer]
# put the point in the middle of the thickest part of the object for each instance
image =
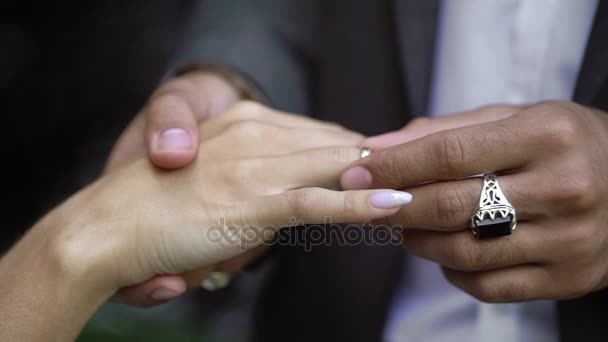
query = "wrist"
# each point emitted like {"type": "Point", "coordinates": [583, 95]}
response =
{"type": "Point", "coordinates": [56, 291]}
{"type": "Point", "coordinates": [75, 258]}
{"type": "Point", "coordinates": [74, 241]}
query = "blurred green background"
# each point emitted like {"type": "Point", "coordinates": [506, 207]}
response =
{"type": "Point", "coordinates": [115, 322]}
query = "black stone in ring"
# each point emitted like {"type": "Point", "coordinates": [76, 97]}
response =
{"type": "Point", "coordinates": [492, 228]}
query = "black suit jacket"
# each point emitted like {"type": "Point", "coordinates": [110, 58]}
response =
{"type": "Point", "coordinates": [72, 77]}
{"type": "Point", "coordinates": [366, 65]}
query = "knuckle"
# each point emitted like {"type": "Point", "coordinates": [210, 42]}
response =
{"type": "Point", "coordinates": [245, 109]}
{"type": "Point", "coordinates": [244, 171]}
{"type": "Point", "coordinates": [561, 133]}
{"type": "Point", "coordinates": [249, 129]}
{"type": "Point", "coordinates": [168, 103]}
{"type": "Point", "coordinates": [450, 154]}
{"type": "Point", "coordinates": [450, 207]}
{"type": "Point", "coordinates": [342, 155]}
{"type": "Point", "coordinates": [386, 166]}
{"type": "Point", "coordinates": [349, 205]}
{"type": "Point", "coordinates": [301, 200]}
{"type": "Point", "coordinates": [576, 193]}
{"type": "Point", "coordinates": [562, 124]}
{"type": "Point", "coordinates": [237, 174]}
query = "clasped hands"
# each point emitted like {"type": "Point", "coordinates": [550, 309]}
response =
{"type": "Point", "coordinates": [256, 171]}
{"type": "Point", "coordinates": [143, 233]}
{"type": "Point", "coordinates": [550, 159]}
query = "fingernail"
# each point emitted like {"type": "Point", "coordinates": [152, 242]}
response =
{"type": "Point", "coordinates": [163, 294]}
{"type": "Point", "coordinates": [356, 178]}
{"type": "Point", "coordinates": [390, 199]}
{"type": "Point", "coordinates": [174, 139]}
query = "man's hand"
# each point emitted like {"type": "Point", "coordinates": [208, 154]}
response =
{"type": "Point", "coordinates": [424, 126]}
{"type": "Point", "coordinates": [167, 127]}
{"type": "Point", "coordinates": [551, 159]}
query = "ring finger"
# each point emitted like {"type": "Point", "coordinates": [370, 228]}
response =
{"type": "Point", "coordinates": [448, 206]}
{"type": "Point", "coordinates": [311, 168]}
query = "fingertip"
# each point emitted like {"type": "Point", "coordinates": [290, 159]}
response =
{"type": "Point", "coordinates": [173, 148]}
{"type": "Point", "coordinates": [176, 283]}
{"type": "Point", "coordinates": [389, 199]}
{"type": "Point", "coordinates": [376, 204]}
{"type": "Point", "coordinates": [356, 178]}
{"type": "Point", "coordinates": [169, 287]}
{"type": "Point", "coordinates": [173, 159]}
{"type": "Point", "coordinates": [155, 291]}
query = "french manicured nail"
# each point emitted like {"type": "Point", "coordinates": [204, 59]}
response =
{"type": "Point", "coordinates": [174, 139]}
{"type": "Point", "coordinates": [390, 199]}
{"type": "Point", "coordinates": [163, 294]}
{"type": "Point", "coordinates": [356, 178]}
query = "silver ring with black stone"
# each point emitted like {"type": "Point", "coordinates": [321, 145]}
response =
{"type": "Point", "coordinates": [495, 216]}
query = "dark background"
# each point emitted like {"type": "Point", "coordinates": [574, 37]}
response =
{"type": "Point", "coordinates": [72, 75]}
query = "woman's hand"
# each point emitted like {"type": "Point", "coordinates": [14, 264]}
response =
{"type": "Point", "coordinates": [256, 171]}
{"type": "Point", "coordinates": [280, 134]}
{"type": "Point", "coordinates": [166, 130]}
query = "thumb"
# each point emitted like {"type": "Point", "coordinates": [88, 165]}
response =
{"type": "Point", "coordinates": [171, 131]}
{"type": "Point", "coordinates": [168, 125]}
{"type": "Point", "coordinates": [174, 112]}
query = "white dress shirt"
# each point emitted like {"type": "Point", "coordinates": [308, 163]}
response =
{"type": "Point", "coordinates": [489, 52]}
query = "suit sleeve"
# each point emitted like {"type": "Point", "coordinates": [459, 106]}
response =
{"type": "Point", "coordinates": [251, 37]}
